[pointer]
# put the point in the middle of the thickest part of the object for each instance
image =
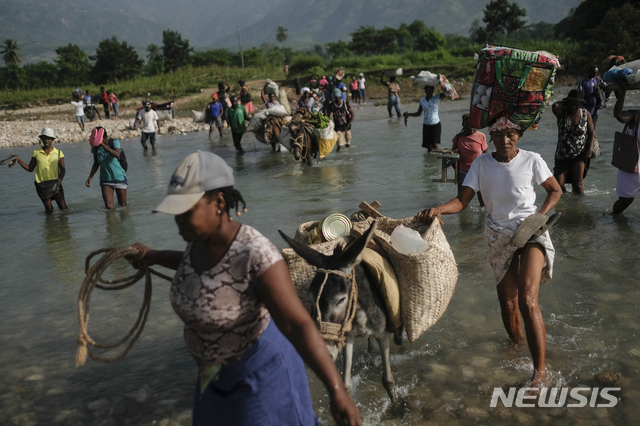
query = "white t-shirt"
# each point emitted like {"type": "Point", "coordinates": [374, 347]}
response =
{"type": "Point", "coordinates": [149, 120]}
{"type": "Point", "coordinates": [507, 188]}
{"type": "Point", "coordinates": [79, 106]}
{"type": "Point", "coordinates": [361, 81]}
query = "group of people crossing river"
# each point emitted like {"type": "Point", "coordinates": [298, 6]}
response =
{"type": "Point", "coordinates": [243, 321]}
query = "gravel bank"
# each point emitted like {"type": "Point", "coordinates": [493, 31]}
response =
{"type": "Point", "coordinates": [23, 133]}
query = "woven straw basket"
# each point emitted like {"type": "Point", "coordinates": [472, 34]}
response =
{"type": "Point", "coordinates": [426, 280]}
{"type": "Point", "coordinates": [301, 272]}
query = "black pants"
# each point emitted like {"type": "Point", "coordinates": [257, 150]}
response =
{"type": "Point", "coordinates": [237, 137]}
{"type": "Point", "coordinates": [106, 111]}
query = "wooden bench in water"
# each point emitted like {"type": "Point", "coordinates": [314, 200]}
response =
{"type": "Point", "coordinates": [449, 159]}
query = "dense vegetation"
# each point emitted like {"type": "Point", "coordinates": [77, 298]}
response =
{"type": "Point", "coordinates": [590, 33]}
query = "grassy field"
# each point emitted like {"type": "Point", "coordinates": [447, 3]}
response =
{"type": "Point", "coordinates": [189, 81]}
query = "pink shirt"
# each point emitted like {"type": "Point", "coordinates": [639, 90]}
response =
{"type": "Point", "coordinates": [353, 85]}
{"type": "Point", "coordinates": [469, 147]}
{"type": "Point", "coordinates": [112, 98]}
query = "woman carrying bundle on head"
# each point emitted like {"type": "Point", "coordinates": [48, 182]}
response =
{"type": "Point", "coordinates": [520, 260]}
{"type": "Point", "coordinates": [244, 323]}
{"type": "Point", "coordinates": [107, 155]}
{"type": "Point", "coordinates": [245, 98]}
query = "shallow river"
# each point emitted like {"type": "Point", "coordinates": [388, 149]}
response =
{"type": "Point", "coordinates": [590, 307]}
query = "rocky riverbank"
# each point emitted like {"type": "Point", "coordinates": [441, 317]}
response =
{"type": "Point", "coordinates": [25, 132]}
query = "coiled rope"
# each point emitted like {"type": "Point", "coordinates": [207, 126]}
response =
{"type": "Point", "coordinates": [94, 279]}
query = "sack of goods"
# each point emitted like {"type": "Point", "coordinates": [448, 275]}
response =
{"type": "Point", "coordinates": [393, 73]}
{"type": "Point", "coordinates": [256, 123]}
{"type": "Point", "coordinates": [164, 115]}
{"type": "Point", "coordinates": [426, 78]}
{"type": "Point", "coordinates": [272, 87]}
{"type": "Point", "coordinates": [448, 87]}
{"type": "Point", "coordinates": [340, 73]}
{"type": "Point", "coordinates": [512, 83]}
{"type": "Point", "coordinates": [285, 138]}
{"type": "Point", "coordinates": [133, 125]}
{"type": "Point", "coordinates": [198, 116]}
{"type": "Point", "coordinates": [284, 101]}
{"type": "Point", "coordinates": [628, 73]}
{"type": "Point", "coordinates": [277, 111]}
{"type": "Point", "coordinates": [326, 139]}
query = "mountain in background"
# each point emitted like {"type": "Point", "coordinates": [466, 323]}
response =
{"type": "Point", "coordinates": [40, 26]}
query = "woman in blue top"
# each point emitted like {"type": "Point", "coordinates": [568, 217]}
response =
{"type": "Point", "coordinates": [431, 127]}
{"type": "Point", "coordinates": [106, 155]}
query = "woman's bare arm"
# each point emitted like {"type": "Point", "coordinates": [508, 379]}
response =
{"type": "Point", "coordinates": [451, 207]}
{"type": "Point", "coordinates": [554, 192]}
{"type": "Point", "coordinates": [277, 292]}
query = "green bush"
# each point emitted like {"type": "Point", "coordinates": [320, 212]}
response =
{"type": "Point", "coordinates": [302, 64]}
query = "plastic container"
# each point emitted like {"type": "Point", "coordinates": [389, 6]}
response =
{"type": "Point", "coordinates": [408, 241]}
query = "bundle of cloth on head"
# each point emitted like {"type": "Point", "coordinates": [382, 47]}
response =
{"type": "Point", "coordinates": [513, 84]}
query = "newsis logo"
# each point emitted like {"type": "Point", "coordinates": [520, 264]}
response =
{"type": "Point", "coordinates": [554, 397]}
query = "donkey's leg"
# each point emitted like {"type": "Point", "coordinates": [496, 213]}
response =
{"type": "Point", "coordinates": [347, 356]}
{"type": "Point", "coordinates": [387, 376]}
{"type": "Point", "coordinates": [370, 344]}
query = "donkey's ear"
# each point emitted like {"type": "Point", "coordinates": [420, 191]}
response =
{"type": "Point", "coordinates": [352, 251]}
{"type": "Point", "coordinates": [313, 257]}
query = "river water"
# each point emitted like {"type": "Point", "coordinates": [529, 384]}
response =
{"type": "Point", "coordinates": [448, 375]}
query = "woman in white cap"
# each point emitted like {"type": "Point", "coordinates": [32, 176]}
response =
{"type": "Point", "coordinates": [506, 179]}
{"type": "Point", "coordinates": [48, 163]}
{"type": "Point", "coordinates": [244, 323]}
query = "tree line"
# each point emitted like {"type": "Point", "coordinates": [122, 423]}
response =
{"type": "Point", "coordinates": [596, 29]}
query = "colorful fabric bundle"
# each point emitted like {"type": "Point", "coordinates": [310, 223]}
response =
{"type": "Point", "coordinates": [512, 83]}
{"type": "Point", "coordinates": [447, 87]}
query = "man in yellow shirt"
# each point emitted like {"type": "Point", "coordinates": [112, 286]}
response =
{"type": "Point", "coordinates": [48, 163]}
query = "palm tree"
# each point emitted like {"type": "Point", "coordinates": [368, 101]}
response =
{"type": "Point", "coordinates": [10, 52]}
{"type": "Point", "coordinates": [281, 34]}
{"type": "Point", "coordinates": [154, 53]}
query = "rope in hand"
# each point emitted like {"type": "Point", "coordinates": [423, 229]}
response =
{"type": "Point", "coordinates": [94, 279]}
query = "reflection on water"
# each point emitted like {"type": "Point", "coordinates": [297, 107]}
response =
{"type": "Point", "coordinates": [446, 376]}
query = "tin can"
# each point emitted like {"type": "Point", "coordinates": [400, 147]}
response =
{"type": "Point", "coordinates": [335, 225]}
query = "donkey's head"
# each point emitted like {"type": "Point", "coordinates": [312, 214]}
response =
{"type": "Point", "coordinates": [331, 290]}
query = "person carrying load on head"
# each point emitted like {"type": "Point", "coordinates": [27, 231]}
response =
{"type": "Point", "coordinates": [270, 99]}
{"type": "Point", "coordinates": [576, 137]}
{"type": "Point", "coordinates": [244, 324]}
{"type": "Point", "coordinates": [470, 144]}
{"type": "Point", "coordinates": [245, 98]}
{"type": "Point", "coordinates": [48, 163]}
{"type": "Point", "coordinates": [590, 87]}
{"type": "Point", "coordinates": [107, 155]}
{"type": "Point", "coordinates": [521, 252]}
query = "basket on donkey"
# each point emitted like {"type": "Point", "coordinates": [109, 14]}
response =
{"type": "Point", "coordinates": [426, 280]}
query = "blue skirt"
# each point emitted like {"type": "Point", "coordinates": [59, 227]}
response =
{"type": "Point", "coordinates": [266, 386]}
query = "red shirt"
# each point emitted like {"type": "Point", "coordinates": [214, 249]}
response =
{"type": "Point", "coordinates": [469, 147]}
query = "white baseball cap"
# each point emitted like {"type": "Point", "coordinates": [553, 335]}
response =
{"type": "Point", "coordinates": [198, 173]}
{"type": "Point", "coordinates": [48, 132]}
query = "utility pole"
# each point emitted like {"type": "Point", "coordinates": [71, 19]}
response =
{"type": "Point", "coordinates": [240, 42]}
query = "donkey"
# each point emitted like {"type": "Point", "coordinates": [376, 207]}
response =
{"type": "Point", "coordinates": [370, 318]}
